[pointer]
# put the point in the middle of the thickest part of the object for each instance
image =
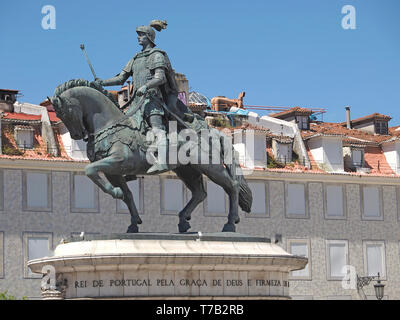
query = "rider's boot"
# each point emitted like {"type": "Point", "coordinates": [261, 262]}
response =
{"type": "Point", "coordinates": [162, 149]}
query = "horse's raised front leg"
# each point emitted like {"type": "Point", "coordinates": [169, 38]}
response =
{"type": "Point", "coordinates": [110, 166]}
{"type": "Point", "coordinates": [120, 182]}
{"type": "Point", "coordinates": [193, 180]}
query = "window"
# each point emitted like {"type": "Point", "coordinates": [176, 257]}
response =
{"type": "Point", "coordinates": [302, 122]}
{"type": "Point", "coordinates": [335, 202]}
{"type": "Point", "coordinates": [337, 258]}
{"type": "Point", "coordinates": [136, 187]}
{"type": "Point", "coordinates": [84, 194]}
{"type": "Point", "coordinates": [374, 258]}
{"type": "Point", "coordinates": [381, 127]}
{"type": "Point", "coordinates": [260, 198]}
{"type": "Point", "coordinates": [24, 136]}
{"type": "Point", "coordinates": [37, 191]}
{"type": "Point", "coordinates": [300, 247]}
{"type": "Point", "coordinates": [371, 201]}
{"type": "Point", "coordinates": [172, 195]}
{"type": "Point", "coordinates": [1, 255]}
{"type": "Point", "coordinates": [357, 157]}
{"type": "Point", "coordinates": [296, 204]}
{"type": "Point", "coordinates": [36, 245]}
{"type": "Point", "coordinates": [216, 199]}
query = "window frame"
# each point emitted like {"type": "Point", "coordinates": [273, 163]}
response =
{"type": "Point", "coordinates": [25, 206]}
{"type": "Point", "coordinates": [344, 202]}
{"type": "Point", "coordinates": [205, 202]}
{"type": "Point", "coordinates": [258, 215]}
{"type": "Point", "coordinates": [299, 119]}
{"type": "Point", "coordinates": [288, 215]}
{"type": "Point", "coordinates": [308, 243]}
{"type": "Point", "coordinates": [378, 124]}
{"type": "Point", "coordinates": [25, 251]}
{"type": "Point", "coordinates": [362, 205]}
{"type": "Point", "coordinates": [140, 206]}
{"type": "Point", "coordinates": [163, 211]}
{"type": "Point", "coordinates": [365, 260]}
{"type": "Point", "coordinates": [362, 163]}
{"type": "Point", "coordinates": [73, 209]}
{"type": "Point", "coordinates": [328, 262]}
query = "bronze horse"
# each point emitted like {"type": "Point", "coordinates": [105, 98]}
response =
{"type": "Point", "coordinates": [116, 147]}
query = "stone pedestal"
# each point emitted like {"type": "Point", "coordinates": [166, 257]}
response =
{"type": "Point", "coordinates": [171, 266]}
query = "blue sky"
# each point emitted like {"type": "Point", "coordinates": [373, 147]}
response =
{"type": "Point", "coordinates": [282, 53]}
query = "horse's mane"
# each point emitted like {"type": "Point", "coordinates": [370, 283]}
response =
{"type": "Point", "coordinates": [83, 83]}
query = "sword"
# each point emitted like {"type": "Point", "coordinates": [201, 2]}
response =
{"type": "Point", "coordinates": [88, 61]}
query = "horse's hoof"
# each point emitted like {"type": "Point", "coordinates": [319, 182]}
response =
{"type": "Point", "coordinates": [117, 193]}
{"type": "Point", "coordinates": [139, 221]}
{"type": "Point", "coordinates": [133, 229]}
{"type": "Point", "coordinates": [237, 220]}
{"type": "Point", "coordinates": [229, 227]}
{"type": "Point", "coordinates": [183, 226]}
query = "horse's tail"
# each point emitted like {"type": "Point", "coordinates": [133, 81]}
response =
{"type": "Point", "coordinates": [245, 194]}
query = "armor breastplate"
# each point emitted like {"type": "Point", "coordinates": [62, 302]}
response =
{"type": "Point", "coordinates": [141, 74]}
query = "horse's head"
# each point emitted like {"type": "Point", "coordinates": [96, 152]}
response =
{"type": "Point", "coordinates": [68, 109]}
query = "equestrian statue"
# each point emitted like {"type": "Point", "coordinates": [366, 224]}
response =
{"type": "Point", "coordinates": [123, 142]}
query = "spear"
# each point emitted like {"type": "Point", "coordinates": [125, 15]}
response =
{"type": "Point", "coordinates": [88, 61]}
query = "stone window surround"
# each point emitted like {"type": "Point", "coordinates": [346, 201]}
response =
{"type": "Point", "coordinates": [297, 216]}
{"type": "Point", "coordinates": [344, 216]}
{"type": "Point", "coordinates": [72, 197]}
{"type": "Point", "coordinates": [267, 202]}
{"type": "Point", "coordinates": [33, 234]}
{"type": "Point", "coordinates": [365, 262]}
{"type": "Point", "coordinates": [2, 255]}
{"type": "Point", "coordinates": [380, 195]}
{"type": "Point", "coordinates": [205, 203]}
{"type": "Point", "coordinates": [25, 207]}
{"type": "Point", "coordinates": [184, 196]}
{"type": "Point", "coordinates": [140, 205]}
{"type": "Point", "coordinates": [328, 265]}
{"type": "Point", "coordinates": [308, 243]}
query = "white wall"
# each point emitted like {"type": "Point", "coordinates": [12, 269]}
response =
{"type": "Point", "coordinates": [327, 152]}
{"type": "Point", "coordinates": [368, 127]}
{"type": "Point", "coordinates": [392, 154]}
{"type": "Point", "coordinates": [75, 149]}
{"type": "Point", "coordinates": [333, 153]}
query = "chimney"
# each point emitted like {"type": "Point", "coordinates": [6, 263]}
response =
{"type": "Point", "coordinates": [348, 123]}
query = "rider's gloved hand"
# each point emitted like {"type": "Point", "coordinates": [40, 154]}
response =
{"type": "Point", "coordinates": [98, 82]}
{"type": "Point", "coordinates": [141, 91]}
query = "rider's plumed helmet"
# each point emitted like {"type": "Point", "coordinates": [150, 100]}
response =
{"type": "Point", "coordinates": [149, 31]}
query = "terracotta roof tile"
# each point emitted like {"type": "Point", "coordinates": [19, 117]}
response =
{"type": "Point", "coordinates": [21, 116]}
{"type": "Point", "coordinates": [297, 110]}
{"type": "Point", "coordinates": [369, 117]}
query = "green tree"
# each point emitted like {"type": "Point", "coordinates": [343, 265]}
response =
{"type": "Point", "coordinates": [5, 296]}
